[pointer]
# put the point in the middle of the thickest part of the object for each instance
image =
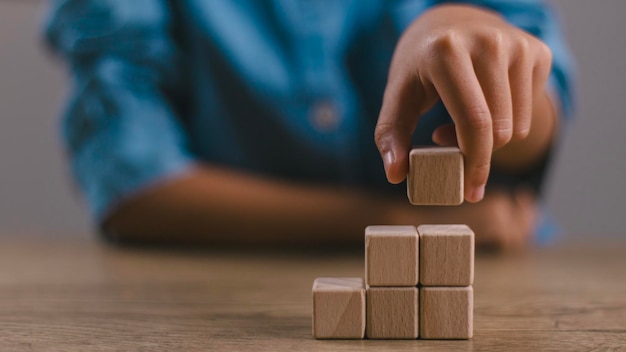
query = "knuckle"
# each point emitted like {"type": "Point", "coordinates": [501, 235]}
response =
{"type": "Point", "coordinates": [521, 133]}
{"type": "Point", "coordinates": [382, 133]}
{"type": "Point", "coordinates": [544, 59]}
{"type": "Point", "coordinates": [480, 170]}
{"type": "Point", "coordinates": [502, 134]}
{"type": "Point", "coordinates": [478, 118]}
{"type": "Point", "coordinates": [533, 50]}
{"type": "Point", "coordinates": [543, 69]}
{"type": "Point", "coordinates": [447, 42]}
{"type": "Point", "coordinates": [385, 132]}
{"type": "Point", "coordinates": [545, 52]}
{"type": "Point", "coordinates": [522, 46]}
{"type": "Point", "coordinates": [492, 42]}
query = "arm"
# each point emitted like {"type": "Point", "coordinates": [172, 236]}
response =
{"type": "Point", "coordinates": [127, 148]}
{"type": "Point", "coordinates": [128, 154]}
{"type": "Point", "coordinates": [140, 180]}
{"type": "Point", "coordinates": [211, 205]}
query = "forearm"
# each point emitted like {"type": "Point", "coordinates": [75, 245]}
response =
{"type": "Point", "coordinates": [211, 205]}
{"type": "Point", "coordinates": [521, 155]}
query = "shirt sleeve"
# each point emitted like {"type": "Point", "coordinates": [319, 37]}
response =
{"type": "Point", "coordinates": [120, 128]}
{"type": "Point", "coordinates": [539, 19]}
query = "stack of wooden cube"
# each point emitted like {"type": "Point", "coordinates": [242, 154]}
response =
{"type": "Point", "coordinates": [418, 281]}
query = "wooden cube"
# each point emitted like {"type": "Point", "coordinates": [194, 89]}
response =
{"type": "Point", "coordinates": [446, 312]}
{"type": "Point", "coordinates": [391, 256]}
{"type": "Point", "coordinates": [446, 255]}
{"type": "Point", "coordinates": [435, 176]}
{"type": "Point", "coordinates": [338, 308]}
{"type": "Point", "coordinates": [392, 313]}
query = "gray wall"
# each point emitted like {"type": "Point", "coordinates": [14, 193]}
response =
{"type": "Point", "coordinates": [36, 195]}
{"type": "Point", "coordinates": [586, 189]}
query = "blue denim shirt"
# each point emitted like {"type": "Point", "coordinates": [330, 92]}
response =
{"type": "Point", "coordinates": [289, 89]}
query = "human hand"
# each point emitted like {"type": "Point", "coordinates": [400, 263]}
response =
{"type": "Point", "coordinates": [485, 71]}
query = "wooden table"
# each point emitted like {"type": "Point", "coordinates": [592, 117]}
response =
{"type": "Point", "coordinates": [89, 296]}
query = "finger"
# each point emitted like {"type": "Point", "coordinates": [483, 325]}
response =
{"type": "Point", "coordinates": [445, 135]}
{"type": "Point", "coordinates": [521, 78]}
{"type": "Point", "coordinates": [405, 99]}
{"type": "Point", "coordinates": [542, 68]}
{"type": "Point", "coordinates": [492, 73]}
{"type": "Point", "coordinates": [457, 85]}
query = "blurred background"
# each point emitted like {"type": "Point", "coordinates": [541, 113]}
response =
{"type": "Point", "coordinates": [585, 190]}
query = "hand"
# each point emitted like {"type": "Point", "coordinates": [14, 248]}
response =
{"type": "Point", "coordinates": [486, 72]}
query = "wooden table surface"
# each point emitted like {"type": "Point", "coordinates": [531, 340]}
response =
{"type": "Point", "coordinates": [89, 296]}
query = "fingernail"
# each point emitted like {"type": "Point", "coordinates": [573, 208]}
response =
{"type": "Point", "coordinates": [388, 158]}
{"type": "Point", "coordinates": [478, 194]}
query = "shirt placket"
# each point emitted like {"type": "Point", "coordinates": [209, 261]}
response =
{"type": "Point", "coordinates": [327, 113]}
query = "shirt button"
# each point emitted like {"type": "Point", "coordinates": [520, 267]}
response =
{"type": "Point", "coordinates": [325, 116]}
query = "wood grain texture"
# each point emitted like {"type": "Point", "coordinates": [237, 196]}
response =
{"type": "Point", "coordinates": [435, 176]}
{"type": "Point", "coordinates": [391, 256]}
{"type": "Point", "coordinates": [392, 313]}
{"type": "Point", "coordinates": [338, 308]}
{"type": "Point", "coordinates": [63, 296]}
{"type": "Point", "coordinates": [446, 312]}
{"type": "Point", "coordinates": [446, 255]}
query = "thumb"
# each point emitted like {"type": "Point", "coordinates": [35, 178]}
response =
{"type": "Point", "coordinates": [403, 103]}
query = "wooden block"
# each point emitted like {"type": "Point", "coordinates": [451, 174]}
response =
{"type": "Point", "coordinates": [391, 256]}
{"type": "Point", "coordinates": [338, 308]}
{"type": "Point", "coordinates": [392, 313]}
{"type": "Point", "coordinates": [435, 176]}
{"type": "Point", "coordinates": [446, 255]}
{"type": "Point", "coordinates": [446, 312]}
